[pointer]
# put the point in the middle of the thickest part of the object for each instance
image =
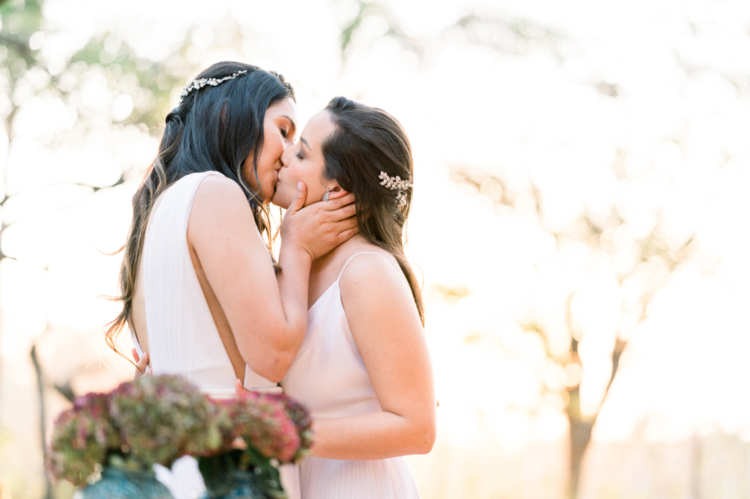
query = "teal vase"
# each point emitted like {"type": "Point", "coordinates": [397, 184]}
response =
{"type": "Point", "coordinates": [122, 484]}
{"type": "Point", "coordinates": [237, 485]}
{"type": "Point", "coordinates": [240, 475]}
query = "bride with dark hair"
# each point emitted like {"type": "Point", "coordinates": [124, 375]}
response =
{"type": "Point", "coordinates": [364, 368]}
{"type": "Point", "coordinates": [197, 282]}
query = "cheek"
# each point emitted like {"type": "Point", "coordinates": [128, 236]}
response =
{"type": "Point", "coordinates": [284, 193]}
{"type": "Point", "coordinates": [247, 172]}
{"type": "Point", "coordinates": [294, 174]}
{"type": "Point", "coordinates": [270, 156]}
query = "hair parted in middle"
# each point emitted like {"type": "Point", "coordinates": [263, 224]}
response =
{"type": "Point", "coordinates": [366, 142]}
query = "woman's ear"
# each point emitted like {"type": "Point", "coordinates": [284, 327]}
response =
{"type": "Point", "coordinates": [336, 191]}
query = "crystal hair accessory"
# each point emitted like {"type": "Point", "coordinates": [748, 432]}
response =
{"type": "Point", "coordinates": [202, 82]}
{"type": "Point", "coordinates": [396, 184]}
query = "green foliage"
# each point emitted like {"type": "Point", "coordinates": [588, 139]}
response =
{"type": "Point", "coordinates": [148, 83]}
{"type": "Point", "coordinates": [247, 471]}
{"type": "Point", "coordinates": [20, 19]}
{"type": "Point", "coordinates": [364, 9]}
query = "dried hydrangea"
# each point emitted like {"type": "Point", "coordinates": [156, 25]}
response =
{"type": "Point", "coordinates": [261, 422]}
{"type": "Point", "coordinates": [82, 438]}
{"type": "Point", "coordinates": [302, 421]}
{"type": "Point", "coordinates": [161, 418]}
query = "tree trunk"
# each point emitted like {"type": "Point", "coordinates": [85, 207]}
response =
{"type": "Point", "coordinates": [580, 436]}
{"type": "Point", "coordinates": [695, 482]}
{"type": "Point", "coordinates": [580, 427]}
{"type": "Point", "coordinates": [42, 415]}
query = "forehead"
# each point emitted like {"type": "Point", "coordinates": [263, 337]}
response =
{"type": "Point", "coordinates": [285, 107]}
{"type": "Point", "coordinates": [318, 128]}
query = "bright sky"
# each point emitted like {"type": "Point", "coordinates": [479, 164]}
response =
{"type": "Point", "coordinates": [680, 139]}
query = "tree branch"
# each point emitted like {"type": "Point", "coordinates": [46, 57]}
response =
{"type": "Point", "coordinates": [620, 345]}
{"type": "Point", "coordinates": [22, 47]}
{"type": "Point", "coordinates": [42, 415]}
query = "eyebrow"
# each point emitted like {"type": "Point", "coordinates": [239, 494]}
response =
{"type": "Point", "coordinates": [302, 139]}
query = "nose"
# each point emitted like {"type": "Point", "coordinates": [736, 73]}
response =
{"type": "Point", "coordinates": [286, 155]}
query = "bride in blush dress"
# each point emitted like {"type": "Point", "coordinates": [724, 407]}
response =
{"type": "Point", "coordinates": [363, 369]}
{"type": "Point", "coordinates": [197, 282]}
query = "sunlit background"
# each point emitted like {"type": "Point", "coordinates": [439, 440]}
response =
{"type": "Point", "coordinates": [581, 218]}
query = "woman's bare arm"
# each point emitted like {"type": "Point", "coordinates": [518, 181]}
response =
{"type": "Point", "coordinates": [388, 333]}
{"type": "Point", "coordinates": [268, 318]}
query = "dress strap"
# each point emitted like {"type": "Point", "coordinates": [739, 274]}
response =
{"type": "Point", "coordinates": [357, 254]}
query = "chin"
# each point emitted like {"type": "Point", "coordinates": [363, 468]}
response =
{"type": "Point", "coordinates": [279, 200]}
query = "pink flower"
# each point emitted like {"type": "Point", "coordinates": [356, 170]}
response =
{"type": "Point", "coordinates": [262, 422]}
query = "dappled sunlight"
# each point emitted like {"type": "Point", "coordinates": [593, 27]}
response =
{"type": "Point", "coordinates": [579, 220]}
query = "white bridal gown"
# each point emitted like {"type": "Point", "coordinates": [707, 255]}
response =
{"type": "Point", "coordinates": [182, 335]}
{"type": "Point", "coordinates": [330, 378]}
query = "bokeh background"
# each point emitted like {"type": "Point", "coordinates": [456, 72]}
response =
{"type": "Point", "coordinates": [581, 218]}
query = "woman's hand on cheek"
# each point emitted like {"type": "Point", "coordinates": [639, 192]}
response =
{"type": "Point", "coordinates": [320, 227]}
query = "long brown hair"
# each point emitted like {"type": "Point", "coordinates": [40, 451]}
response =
{"type": "Point", "coordinates": [215, 128]}
{"type": "Point", "coordinates": [368, 141]}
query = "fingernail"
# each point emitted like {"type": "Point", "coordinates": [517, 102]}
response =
{"type": "Point", "coordinates": [299, 186]}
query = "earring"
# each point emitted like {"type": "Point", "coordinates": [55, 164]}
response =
{"type": "Point", "coordinates": [326, 195]}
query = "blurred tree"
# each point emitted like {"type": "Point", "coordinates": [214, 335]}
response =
{"type": "Point", "coordinates": [138, 90]}
{"type": "Point", "coordinates": [656, 261]}
{"type": "Point", "coordinates": [606, 238]}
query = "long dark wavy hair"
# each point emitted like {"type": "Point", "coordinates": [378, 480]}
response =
{"type": "Point", "coordinates": [214, 128]}
{"type": "Point", "coordinates": [366, 142]}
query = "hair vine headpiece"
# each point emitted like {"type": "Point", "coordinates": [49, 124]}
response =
{"type": "Point", "coordinates": [202, 82]}
{"type": "Point", "coordinates": [396, 184]}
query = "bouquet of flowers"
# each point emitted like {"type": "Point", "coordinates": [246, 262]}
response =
{"type": "Point", "coordinates": [161, 418]}
{"type": "Point", "coordinates": [154, 419]}
{"type": "Point", "coordinates": [157, 419]}
{"type": "Point", "coordinates": [83, 438]}
{"type": "Point", "coordinates": [302, 422]}
{"type": "Point", "coordinates": [259, 431]}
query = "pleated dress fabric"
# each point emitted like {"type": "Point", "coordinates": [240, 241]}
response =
{"type": "Point", "coordinates": [330, 378]}
{"type": "Point", "coordinates": [182, 335]}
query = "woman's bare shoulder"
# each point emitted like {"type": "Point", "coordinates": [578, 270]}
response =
{"type": "Point", "coordinates": [219, 189]}
{"type": "Point", "coordinates": [219, 206]}
{"type": "Point", "coordinates": [368, 265]}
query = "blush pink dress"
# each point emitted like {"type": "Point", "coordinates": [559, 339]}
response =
{"type": "Point", "coordinates": [330, 378]}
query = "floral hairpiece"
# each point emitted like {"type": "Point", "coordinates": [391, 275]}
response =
{"type": "Point", "coordinates": [202, 82]}
{"type": "Point", "coordinates": [395, 183]}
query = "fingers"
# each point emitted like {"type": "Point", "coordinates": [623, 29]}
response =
{"type": "Point", "coordinates": [346, 224]}
{"type": "Point", "coordinates": [335, 204]}
{"type": "Point", "coordinates": [239, 388]}
{"type": "Point", "coordinates": [142, 364]}
{"type": "Point", "coordinates": [299, 198]}
{"type": "Point", "coordinates": [136, 357]}
{"type": "Point", "coordinates": [347, 211]}
{"type": "Point", "coordinates": [347, 234]}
